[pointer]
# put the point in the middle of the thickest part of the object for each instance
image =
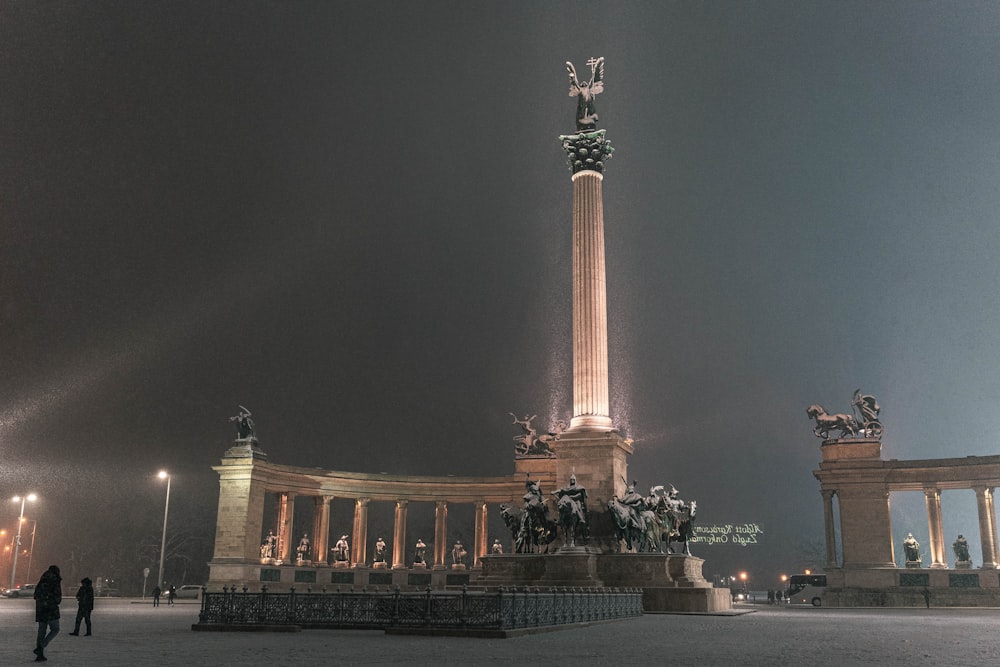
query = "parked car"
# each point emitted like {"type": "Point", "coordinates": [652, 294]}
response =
{"type": "Point", "coordinates": [108, 593]}
{"type": "Point", "coordinates": [190, 591]}
{"type": "Point", "coordinates": [26, 591]}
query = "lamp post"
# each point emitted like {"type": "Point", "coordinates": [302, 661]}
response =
{"type": "Point", "coordinates": [163, 542]}
{"type": "Point", "coordinates": [17, 540]}
{"type": "Point", "coordinates": [31, 551]}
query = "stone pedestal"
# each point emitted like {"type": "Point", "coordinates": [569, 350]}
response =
{"type": "Point", "coordinates": [963, 565]}
{"type": "Point", "coordinates": [341, 564]}
{"type": "Point", "coordinates": [599, 459]}
{"type": "Point", "coordinates": [381, 565]}
{"type": "Point", "coordinates": [670, 582]}
{"type": "Point", "coordinates": [914, 563]}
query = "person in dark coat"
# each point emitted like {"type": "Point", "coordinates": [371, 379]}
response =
{"type": "Point", "coordinates": [85, 598]}
{"type": "Point", "coordinates": [156, 596]}
{"type": "Point", "coordinates": [171, 594]}
{"type": "Point", "coordinates": [48, 595]}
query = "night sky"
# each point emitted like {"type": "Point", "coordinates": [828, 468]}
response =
{"type": "Point", "coordinates": [354, 219]}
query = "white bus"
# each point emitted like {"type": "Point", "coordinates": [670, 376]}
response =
{"type": "Point", "coordinates": [806, 589]}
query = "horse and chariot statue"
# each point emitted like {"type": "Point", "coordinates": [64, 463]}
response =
{"type": "Point", "coordinates": [530, 443]}
{"type": "Point", "coordinates": [862, 423]}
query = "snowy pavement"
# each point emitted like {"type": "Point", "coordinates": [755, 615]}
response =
{"type": "Point", "coordinates": [131, 632]}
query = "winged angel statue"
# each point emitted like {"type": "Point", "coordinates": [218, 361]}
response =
{"type": "Point", "coordinates": [586, 115]}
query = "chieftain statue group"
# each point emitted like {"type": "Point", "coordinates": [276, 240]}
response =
{"type": "Point", "coordinates": [651, 523]}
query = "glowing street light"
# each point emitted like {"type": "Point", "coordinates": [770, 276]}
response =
{"type": "Point", "coordinates": [17, 541]}
{"type": "Point", "coordinates": [163, 542]}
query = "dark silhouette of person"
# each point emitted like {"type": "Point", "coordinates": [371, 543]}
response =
{"type": "Point", "coordinates": [171, 594]}
{"type": "Point", "coordinates": [156, 596]}
{"type": "Point", "coordinates": [85, 598]}
{"type": "Point", "coordinates": [48, 595]}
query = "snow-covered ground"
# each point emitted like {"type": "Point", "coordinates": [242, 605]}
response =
{"type": "Point", "coordinates": [131, 632]}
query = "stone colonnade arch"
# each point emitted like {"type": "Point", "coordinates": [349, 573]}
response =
{"type": "Point", "coordinates": [246, 478]}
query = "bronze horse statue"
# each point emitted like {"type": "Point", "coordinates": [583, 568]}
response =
{"type": "Point", "coordinates": [678, 526]}
{"type": "Point", "coordinates": [627, 528]}
{"type": "Point", "coordinates": [846, 424]}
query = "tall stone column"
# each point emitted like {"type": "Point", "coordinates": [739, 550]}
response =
{"type": "Point", "coordinates": [359, 538]}
{"type": "Point", "coordinates": [987, 521]}
{"type": "Point", "coordinates": [399, 536]}
{"type": "Point", "coordinates": [831, 531]}
{"type": "Point", "coordinates": [991, 517]}
{"type": "Point", "coordinates": [591, 410]}
{"type": "Point", "coordinates": [321, 529]}
{"type": "Point", "coordinates": [935, 530]}
{"type": "Point", "coordinates": [286, 512]}
{"type": "Point", "coordinates": [440, 533]}
{"type": "Point", "coordinates": [479, 548]}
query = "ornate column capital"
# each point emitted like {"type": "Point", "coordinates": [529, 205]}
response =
{"type": "Point", "coordinates": [587, 151]}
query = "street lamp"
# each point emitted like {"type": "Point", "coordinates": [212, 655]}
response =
{"type": "Point", "coordinates": [163, 542]}
{"type": "Point", "coordinates": [17, 541]}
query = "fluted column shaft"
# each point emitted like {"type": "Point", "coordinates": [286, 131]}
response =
{"type": "Point", "coordinates": [286, 510]}
{"type": "Point", "coordinates": [399, 536]}
{"type": "Point", "coordinates": [479, 548]}
{"type": "Point", "coordinates": [360, 533]}
{"type": "Point", "coordinates": [591, 407]}
{"type": "Point", "coordinates": [935, 528]}
{"type": "Point", "coordinates": [321, 528]}
{"type": "Point", "coordinates": [987, 521]}
{"type": "Point", "coordinates": [440, 533]}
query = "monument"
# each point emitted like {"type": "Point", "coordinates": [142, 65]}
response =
{"type": "Point", "coordinates": [856, 485]}
{"type": "Point", "coordinates": [574, 520]}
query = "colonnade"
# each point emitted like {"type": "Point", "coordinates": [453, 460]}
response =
{"type": "Point", "coordinates": [862, 485]}
{"type": "Point", "coordinates": [320, 543]}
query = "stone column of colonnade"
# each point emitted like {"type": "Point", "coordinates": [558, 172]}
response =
{"type": "Point", "coordinates": [479, 548]}
{"type": "Point", "coordinates": [935, 529]}
{"type": "Point", "coordinates": [987, 523]}
{"type": "Point", "coordinates": [321, 528]}
{"type": "Point", "coordinates": [591, 407]}
{"type": "Point", "coordinates": [399, 536]}
{"type": "Point", "coordinates": [359, 536]}
{"type": "Point", "coordinates": [286, 511]}
{"type": "Point", "coordinates": [440, 533]}
{"type": "Point", "coordinates": [831, 531]}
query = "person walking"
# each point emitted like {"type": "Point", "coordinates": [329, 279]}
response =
{"type": "Point", "coordinates": [85, 598]}
{"type": "Point", "coordinates": [171, 594]}
{"type": "Point", "coordinates": [156, 596]}
{"type": "Point", "coordinates": [48, 595]}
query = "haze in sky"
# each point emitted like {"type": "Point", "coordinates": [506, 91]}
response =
{"type": "Point", "coordinates": [354, 219]}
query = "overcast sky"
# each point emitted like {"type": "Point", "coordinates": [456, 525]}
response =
{"type": "Point", "coordinates": [354, 219]}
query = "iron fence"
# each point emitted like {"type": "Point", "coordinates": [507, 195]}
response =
{"type": "Point", "coordinates": [506, 609]}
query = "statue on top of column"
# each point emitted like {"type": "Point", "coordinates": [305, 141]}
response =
{"type": "Point", "coordinates": [585, 92]}
{"type": "Point", "coordinates": [244, 425]}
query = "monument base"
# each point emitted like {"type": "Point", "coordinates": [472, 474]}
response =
{"type": "Point", "coordinates": [963, 565]}
{"type": "Point", "coordinates": [914, 563]}
{"type": "Point", "coordinates": [670, 582]}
